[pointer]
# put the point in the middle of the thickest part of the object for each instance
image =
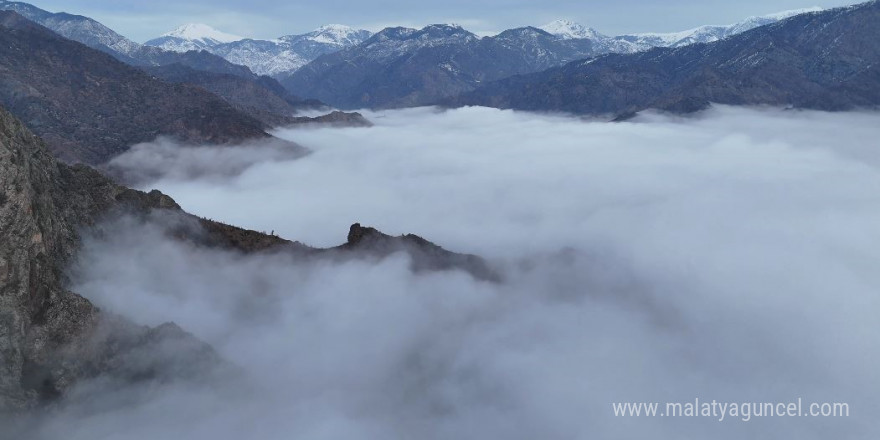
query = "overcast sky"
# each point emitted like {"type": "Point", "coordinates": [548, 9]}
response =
{"type": "Point", "coordinates": [141, 20]}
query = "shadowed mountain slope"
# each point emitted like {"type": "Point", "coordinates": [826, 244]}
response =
{"type": "Point", "coordinates": [89, 106]}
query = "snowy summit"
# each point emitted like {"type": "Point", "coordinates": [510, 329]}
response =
{"type": "Point", "coordinates": [202, 32]}
{"type": "Point", "coordinates": [193, 36]}
{"type": "Point", "coordinates": [569, 30]}
{"type": "Point", "coordinates": [337, 34]}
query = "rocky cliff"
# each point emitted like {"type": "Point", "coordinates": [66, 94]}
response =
{"type": "Point", "coordinates": [50, 338]}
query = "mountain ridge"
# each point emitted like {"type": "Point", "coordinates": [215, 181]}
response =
{"type": "Point", "coordinates": [821, 60]}
{"type": "Point", "coordinates": [403, 67]}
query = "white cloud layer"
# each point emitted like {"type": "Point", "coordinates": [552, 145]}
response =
{"type": "Point", "coordinates": [731, 257]}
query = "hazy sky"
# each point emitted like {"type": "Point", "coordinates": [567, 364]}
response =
{"type": "Point", "coordinates": [272, 18]}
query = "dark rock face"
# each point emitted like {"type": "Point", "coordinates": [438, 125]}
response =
{"type": "Point", "coordinates": [51, 339]}
{"type": "Point", "coordinates": [825, 60]}
{"type": "Point", "coordinates": [401, 67]}
{"type": "Point", "coordinates": [89, 107]}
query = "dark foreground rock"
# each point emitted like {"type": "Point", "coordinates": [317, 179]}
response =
{"type": "Point", "coordinates": [50, 337]}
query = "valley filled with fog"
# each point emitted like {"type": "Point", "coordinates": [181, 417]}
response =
{"type": "Point", "coordinates": [728, 255]}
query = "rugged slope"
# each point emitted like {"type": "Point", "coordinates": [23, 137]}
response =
{"type": "Point", "coordinates": [824, 60]}
{"type": "Point", "coordinates": [52, 339]}
{"type": "Point", "coordinates": [89, 107]}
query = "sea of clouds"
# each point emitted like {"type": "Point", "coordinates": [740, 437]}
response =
{"type": "Point", "coordinates": [729, 256]}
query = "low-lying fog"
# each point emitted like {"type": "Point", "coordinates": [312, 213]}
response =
{"type": "Point", "coordinates": [732, 256]}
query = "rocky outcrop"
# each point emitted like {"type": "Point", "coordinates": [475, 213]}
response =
{"type": "Point", "coordinates": [52, 338]}
{"type": "Point", "coordinates": [334, 119]}
{"type": "Point", "coordinates": [425, 256]}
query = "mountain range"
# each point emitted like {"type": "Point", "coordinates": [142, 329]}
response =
{"type": "Point", "coordinates": [529, 67]}
{"type": "Point", "coordinates": [824, 60]}
{"type": "Point", "coordinates": [285, 55]}
{"type": "Point", "coordinates": [350, 68]}
{"type": "Point", "coordinates": [400, 67]}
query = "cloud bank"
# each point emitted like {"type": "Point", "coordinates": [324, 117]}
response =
{"type": "Point", "coordinates": [165, 158]}
{"type": "Point", "coordinates": [730, 256]}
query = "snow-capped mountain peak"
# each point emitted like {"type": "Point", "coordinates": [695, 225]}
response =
{"type": "Point", "coordinates": [569, 30]}
{"type": "Point", "coordinates": [337, 34]}
{"type": "Point", "coordinates": [201, 32]}
{"type": "Point", "coordinates": [193, 36]}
